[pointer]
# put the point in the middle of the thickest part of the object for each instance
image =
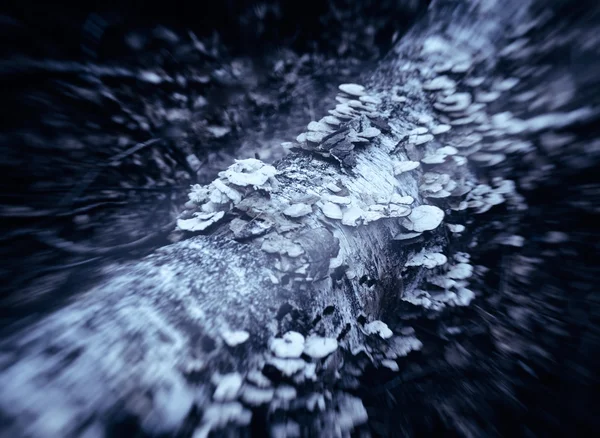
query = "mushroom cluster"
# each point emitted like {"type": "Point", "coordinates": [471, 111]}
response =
{"type": "Point", "coordinates": [354, 121]}
{"type": "Point", "coordinates": [208, 204]}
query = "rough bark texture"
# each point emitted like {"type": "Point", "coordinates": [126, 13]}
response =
{"type": "Point", "coordinates": [151, 344]}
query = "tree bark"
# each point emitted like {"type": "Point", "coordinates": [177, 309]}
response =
{"type": "Point", "coordinates": [153, 341]}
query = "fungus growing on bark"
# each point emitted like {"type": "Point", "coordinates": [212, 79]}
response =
{"type": "Point", "coordinates": [331, 210]}
{"type": "Point", "coordinates": [319, 127]}
{"type": "Point", "coordinates": [235, 338]}
{"type": "Point", "coordinates": [399, 199]}
{"type": "Point", "coordinates": [318, 347]}
{"type": "Point", "coordinates": [341, 200]}
{"type": "Point", "coordinates": [487, 159]}
{"type": "Point", "coordinates": [420, 130]}
{"type": "Point", "coordinates": [288, 367]}
{"type": "Point", "coordinates": [249, 172]}
{"type": "Point", "coordinates": [369, 132]}
{"type": "Point", "coordinates": [352, 216]}
{"type": "Point", "coordinates": [460, 271]}
{"type": "Point", "coordinates": [298, 210]}
{"type": "Point", "coordinates": [439, 83]}
{"type": "Point", "coordinates": [219, 415]}
{"type": "Point", "coordinates": [378, 328]}
{"type": "Point", "coordinates": [315, 137]}
{"type": "Point", "coordinates": [454, 102]}
{"type": "Point", "coordinates": [331, 120]}
{"type": "Point", "coordinates": [275, 243]}
{"type": "Point", "coordinates": [427, 260]}
{"type": "Point", "coordinates": [352, 89]}
{"type": "Point", "coordinates": [228, 387]}
{"type": "Point", "coordinates": [200, 221]}
{"type": "Point", "coordinates": [420, 139]}
{"type": "Point", "coordinates": [290, 345]}
{"type": "Point", "coordinates": [423, 218]}
{"type": "Point", "coordinates": [370, 100]}
{"type": "Point", "coordinates": [405, 166]}
{"type": "Point", "coordinates": [407, 238]}
{"type": "Point", "coordinates": [456, 228]}
{"type": "Point", "coordinates": [254, 396]}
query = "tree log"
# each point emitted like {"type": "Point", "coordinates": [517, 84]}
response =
{"type": "Point", "coordinates": [273, 310]}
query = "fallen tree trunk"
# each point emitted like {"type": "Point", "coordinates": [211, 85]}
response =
{"type": "Point", "coordinates": [275, 307]}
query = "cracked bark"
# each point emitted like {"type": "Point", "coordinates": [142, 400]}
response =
{"type": "Point", "coordinates": [149, 340]}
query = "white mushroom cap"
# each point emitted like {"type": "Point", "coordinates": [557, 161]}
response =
{"type": "Point", "coordinates": [352, 216]}
{"type": "Point", "coordinates": [439, 83]}
{"type": "Point", "coordinates": [428, 260]}
{"type": "Point", "coordinates": [399, 199]}
{"type": "Point", "coordinates": [331, 120]}
{"type": "Point", "coordinates": [200, 221]}
{"type": "Point", "coordinates": [370, 132]}
{"type": "Point", "coordinates": [419, 130]}
{"type": "Point", "coordinates": [370, 99]}
{"type": "Point", "coordinates": [405, 166]}
{"type": "Point", "coordinates": [434, 159]}
{"type": "Point", "coordinates": [278, 244]}
{"type": "Point", "coordinates": [318, 347]}
{"type": "Point", "coordinates": [217, 415]}
{"type": "Point", "coordinates": [257, 396]}
{"type": "Point", "coordinates": [249, 172]}
{"type": "Point", "coordinates": [228, 387]}
{"type": "Point", "coordinates": [456, 228]}
{"type": "Point", "coordinates": [259, 379]}
{"type": "Point", "coordinates": [391, 364]}
{"type": "Point", "coordinates": [424, 218]}
{"type": "Point", "coordinates": [288, 367]}
{"type": "Point", "coordinates": [288, 346]}
{"type": "Point", "coordinates": [235, 338]}
{"type": "Point", "coordinates": [353, 89]}
{"type": "Point", "coordinates": [198, 194]}
{"type": "Point", "coordinates": [319, 127]}
{"type": "Point", "coordinates": [460, 271]}
{"type": "Point", "coordinates": [298, 210]}
{"type": "Point", "coordinates": [406, 236]}
{"type": "Point", "coordinates": [286, 392]}
{"type": "Point", "coordinates": [231, 193]}
{"type": "Point", "coordinates": [331, 210]}
{"type": "Point", "coordinates": [402, 345]}
{"type": "Point", "coordinates": [440, 129]}
{"type": "Point", "coordinates": [378, 327]}
{"type": "Point", "coordinates": [315, 137]}
{"type": "Point", "coordinates": [421, 139]}
{"type": "Point", "coordinates": [342, 200]}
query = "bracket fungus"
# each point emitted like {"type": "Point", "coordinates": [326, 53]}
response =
{"type": "Point", "coordinates": [353, 89]}
{"type": "Point", "coordinates": [200, 221]}
{"type": "Point", "coordinates": [331, 210]}
{"type": "Point", "coordinates": [399, 199]}
{"type": "Point", "coordinates": [439, 83]}
{"type": "Point", "coordinates": [290, 345]}
{"type": "Point", "coordinates": [228, 387]}
{"type": "Point", "coordinates": [249, 172]}
{"type": "Point", "coordinates": [440, 129]}
{"type": "Point", "coordinates": [352, 216]}
{"type": "Point", "coordinates": [298, 210]}
{"type": "Point", "coordinates": [318, 347]}
{"type": "Point", "coordinates": [235, 338]}
{"type": "Point", "coordinates": [405, 166]}
{"type": "Point", "coordinates": [379, 328]}
{"type": "Point", "coordinates": [423, 218]}
{"type": "Point", "coordinates": [428, 260]}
